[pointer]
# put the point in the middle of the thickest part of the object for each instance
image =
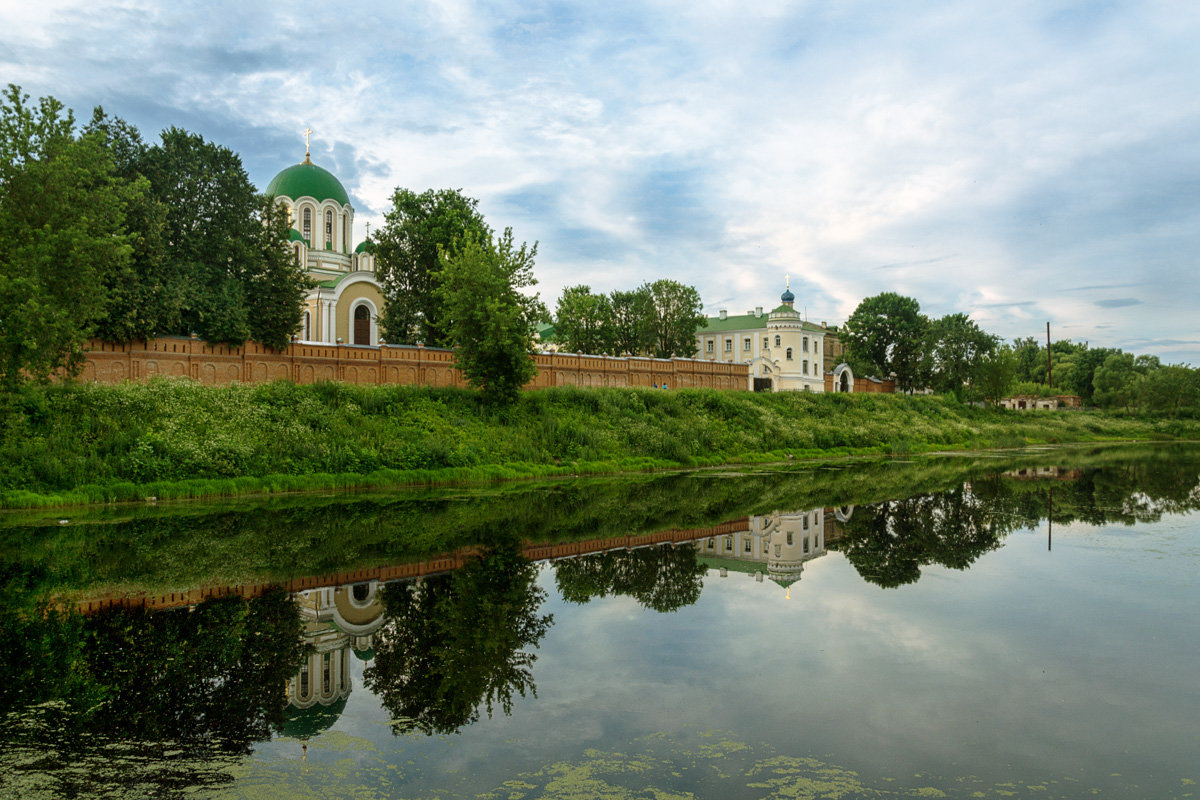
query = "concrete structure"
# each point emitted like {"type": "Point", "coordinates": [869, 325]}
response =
{"type": "Point", "coordinates": [781, 350]}
{"type": "Point", "coordinates": [345, 304]}
{"type": "Point", "coordinates": [1023, 402]}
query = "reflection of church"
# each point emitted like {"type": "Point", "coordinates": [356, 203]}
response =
{"type": "Point", "coordinates": [775, 546]}
{"type": "Point", "coordinates": [344, 305]}
{"type": "Point", "coordinates": [339, 623]}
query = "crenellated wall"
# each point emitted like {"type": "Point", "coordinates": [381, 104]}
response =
{"type": "Point", "coordinates": [387, 364]}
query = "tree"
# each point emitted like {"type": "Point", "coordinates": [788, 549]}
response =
{"type": "Point", "coordinates": [1117, 381]}
{"type": "Point", "coordinates": [631, 313]}
{"type": "Point", "coordinates": [63, 238]}
{"type": "Point", "coordinates": [1171, 390]}
{"type": "Point", "coordinates": [886, 332]}
{"type": "Point", "coordinates": [407, 250]}
{"type": "Point", "coordinates": [663, 579]}
{"type": "Point", "coordinates": [490, 322]}
{"type": "Point", "coordinates": [995, 373]}
{"type": "Point", "coordinates": [956, 347]}
{"type": "Point", "coordinates": [276, 283]}
{"type": "Point", "coordinates": [213, 232]}
{"type": "Point", "coordinates": [146, 299]}
{"type": "Point", "coordinates": [583, 321]}
{"type": "Point", "coordinates": [674, 315]}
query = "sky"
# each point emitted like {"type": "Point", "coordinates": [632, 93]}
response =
{"type": "Point", "coordinates": [1022, 162]}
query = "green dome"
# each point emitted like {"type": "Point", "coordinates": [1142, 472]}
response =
{"type": "Point", "coordinates": [305, 723]}
{"type": "Point", "coordinates": [365, 246]}
{"type": "Point", "coordinates": [308, 180]}
{"type": "Point", "coordinates": [295, 236]}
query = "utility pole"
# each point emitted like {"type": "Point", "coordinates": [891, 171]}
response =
{"type": "Point", "coordinates": [1049, 366]}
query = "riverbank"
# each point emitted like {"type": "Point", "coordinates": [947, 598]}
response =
{"type": "Point", "coordinates": [67, 444]}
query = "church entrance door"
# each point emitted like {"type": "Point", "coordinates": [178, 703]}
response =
{"type": "Point", "coordinates": [362, 325]}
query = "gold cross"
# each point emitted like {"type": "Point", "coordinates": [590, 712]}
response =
{"type": "Point", "coordinates": [368, 230]}
{"type": "Point", "coordinates": [307, 132]}
{"type": "Point", "coordinates": [788, 279]}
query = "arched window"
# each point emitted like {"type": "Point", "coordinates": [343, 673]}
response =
{"type": "Point", "coordinates": [806, 366]}
{"type": "Point", "coordinates": [362, 325]}
{"type": "Point", "coordinates": [345, 232]}
{"type": "Point", "coordinates": [777, 341]}
{"type": "Point", "coordinates": [328, 229]}
{"type": "Point", "coordinates": [307, 322]}
{"type": "Point", "coordinates": [307, 232]}
{"type": "Point", "coordinates": [298, 256]}
{"type": "Point", "coordinates": [789, 354]}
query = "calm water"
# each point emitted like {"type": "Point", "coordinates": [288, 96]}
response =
{"type": "Point", "coordinates": [951, 641]}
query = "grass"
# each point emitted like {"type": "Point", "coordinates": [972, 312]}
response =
{"type": "Point", "coordinates": [67, 444]}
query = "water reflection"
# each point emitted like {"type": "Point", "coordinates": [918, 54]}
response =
{"type": "Point", "coordinates": [124, 701]}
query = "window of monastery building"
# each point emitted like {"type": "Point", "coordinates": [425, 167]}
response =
{"type": "Point", "coordinates": [729, 345]}
{"type": "Point", "coordinates": [765, 343]}
{"type": "Point", "coordinates": [308, 226]}
{"type": "Point", "coordinates": [789, 354]}
{"type": "Point", "coordinates": [805, 366]}
{"type": "Point", "coordinates": [777, 341]}
{"type": "Point", "coordinates": [329, 229]}
{"type": "Point", "coordinates": [709, 345]}
{"type": "Point", "coordinates": [746, 344]}
{"type": "Point", "coordinates": [806, 344]}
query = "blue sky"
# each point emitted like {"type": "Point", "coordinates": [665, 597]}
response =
{"type": "Point", "coordinates": [1019, 161]}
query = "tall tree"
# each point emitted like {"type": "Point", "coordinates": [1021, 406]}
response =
{"type": "Point", "coordinates": [147, 299]}
{"type": "Point", "coordinates": [583, 322]}
{"type": "Point", "coordinates": [956, 347]}
{"type": "Point", "coordinates": [62, 240]}
{"type": "Point", "coordinates": [489, 320]}
{"type": "Point", "coordinates": [415, 230]}
{"type": "Point", "coordinates": [276, 282]}
{"type": "Point", "coordinates": [995, 374]}
{"type": "Point", "coordinates": [631, 314]}
{"type": "Point", "coordinates": [213, 232]}
{"type": "Point", "coordinates": [886, 333]}
{"type": "Point", "coordinates": [1118, 381]}
{"type": "Point", "coordinates": [675, 312]}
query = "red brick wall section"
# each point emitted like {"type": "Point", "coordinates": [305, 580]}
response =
{"type": "Point", "coordinates": [864, 385]}
{"type": "Point", "coordinates": [389, 364]}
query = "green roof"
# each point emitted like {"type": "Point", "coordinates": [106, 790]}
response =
{"type": "Point", "coordinates": [365, 246]}
{"type": "Point", "coordinates": [295, 236]}
{"type": "Point", "coordinates": [743, 322]}
{"type": "Point", "coordinates": [308, 180]}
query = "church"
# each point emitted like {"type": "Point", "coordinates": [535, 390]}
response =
{"type": "Point", "coordinates": [344, 305]}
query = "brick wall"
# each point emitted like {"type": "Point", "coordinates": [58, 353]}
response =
{"type": "Point", "coordinates": [428, 366]}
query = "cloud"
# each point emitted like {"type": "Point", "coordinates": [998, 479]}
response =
{"type": "Point", "coordinates": [972, 158]}
{"type": "Point", "coordinates": [1119, 302]}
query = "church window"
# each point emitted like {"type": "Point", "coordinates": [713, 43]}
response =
{"type": "Point", "coordinates": [789, 354]}
{"type": "Point", "coordinates": [303, 681]}
{"type": "Point", "coordinates": [362, 325]}
{"type": "Point", "coordinates": [345, 233]}
{"type": "Point", "coordinates": [806, 344]}
{"type": "Point", "coordinates": [777, 341]}
{"type": "Point", "coordinates": [307, 329]}
{"type": "Point", "coordinates": [806, 366]}
{"type": "Point", "coordinates": [326, 682]}
{"type": "Point", "coordinates": [789, 539]}
{"type": "Point", "coordinates": [307, 232]}
{"type": "Point", "coordinates": [329, 229]}
{"type": "Point", "coordinates": [299, 257]}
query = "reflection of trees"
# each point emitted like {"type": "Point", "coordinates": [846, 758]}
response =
{"type": "Point", "coordinates": [889, 542]}
{"type": "Point", "coordinates": [456, 641]}
{"type": "Point", "coordinates": [144, 703]}
{"type": "Point", "coordinates": [660, 578]}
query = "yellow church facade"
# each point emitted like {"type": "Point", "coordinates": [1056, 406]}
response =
{"type": "Point", "coordinates": [344, 305]}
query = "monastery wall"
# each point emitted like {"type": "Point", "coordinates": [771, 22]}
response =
{"type": "Point", "coordinates": [387, 364]}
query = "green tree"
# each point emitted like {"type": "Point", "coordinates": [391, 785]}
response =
{"type": "Point", "coordinates": [490, 321]}
{"type": "Point", "coordinates": [886, 332]}
{"type": "Point", "coordinates": [1117, 381]}
{"type": "Point", "coordinates": [995, 374]}
{"type": "Point", "coordinates": [416, 229]}
{"type": "Point", "coordinates": [1031, 360]}
{"type": "Point", "coordinates": [675, 312]}
{"type": "Point", "coordinates": [1172, 390]}
{"type": "Point", "coordinates": [212, 229]}
{"type": "Point", "coordinates": [631, 314]}
{"type": "Point", "coordinates": [583, 322]}
{"type": "Point", "coordinates": [146, 299]}
{"type": "Point", "coordinates": [956, 347]}
{"type": "Point", "coordinates": [62, 240]}
{"type": "Point", "coordinates": [276, 283]}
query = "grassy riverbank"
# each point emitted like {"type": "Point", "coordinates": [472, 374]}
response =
{"type": "Point", "coordinates": [65, 444]}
